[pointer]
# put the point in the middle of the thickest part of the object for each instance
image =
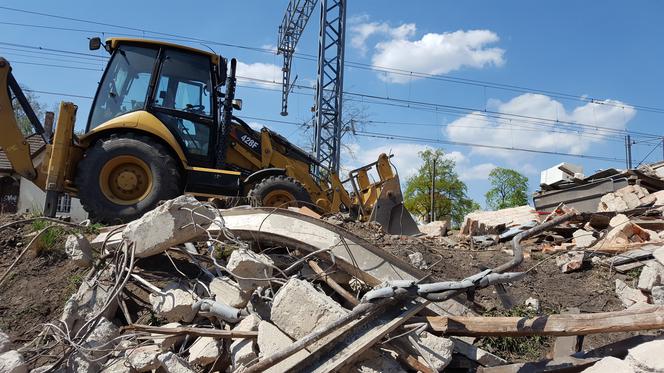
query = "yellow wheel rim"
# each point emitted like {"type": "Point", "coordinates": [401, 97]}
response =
{"type": "Point", "coordinates": [279, 198]}
{"type": "Point", "coordinates": [125, 180]}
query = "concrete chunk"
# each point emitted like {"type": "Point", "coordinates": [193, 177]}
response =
{"type": "Point", "coordinates": [436, 228]}
{"type": "Point", "coordinates": [101, 338]}
{"type": "Point", "coordinates": [250, 265]}
{"type": "Point", "coordinates": [205, 351]}
{"type": "Point", "coordinates": [657, 293]}
{"type": "Point", "coordinates": [175, 305]}
{"type": "Point", "coordinates": [172, 363]}
{"type": "Point", "coordinates": [647, 357]}
{"type": "Point", "coordinates": [618, 220]}
{"type": "Point", "coordinates": [375, 362]}
{"type": "Point", "coordinates": [243, 350]}
{"type": "Point", "coordinates": [117, 365]}
{"type": "Point", "coordinates": [629, 296]}
{"type": "Point", "coordinates": [166, 342]}
{"type": "Point", "coordinates": [90, 298]}
{"type": "Point", "coordinates": [298, 308]}
{"type": "Point", "coordinates": [652, 274]}
{"type": "Point", "coordinates": [167, 225]}
{"type": "Point", "coordinates": [583, 239]}
{"type": "Point", "coordinates": [659, 255]}
{"type": "Point", "coordinates": [610, 364]}
{"type": "Point", "coordinates": [438, 350]}
{"type": "Point", "coordinates": [78, 249]}
{"type": "Point", "coordinates": [494, 222]}
{"type": "Point", "coordinates": [5, 342]}
{"type": "Point", "coordinates": [271, 340]}
{"type": "Point", "coordinates": [144, 358]}
{"type": "Point", "coordinates": [570, 261]}
{"type": "Point", "coordinates": [229, 292]}
{"type": "Point", "coordinates": [12, 362]}
{"type": "Point", "coordinates": [417, 260]}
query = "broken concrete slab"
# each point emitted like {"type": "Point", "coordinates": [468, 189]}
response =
{"type": "Point", "coordinates": [204, 351]}
{"type": "Point", "coordinates": [570, 261]}
{"type": "Point", "coordinates": [610, 364]}
{"type": "Point", "coordinates": [117, 365]}
{"type": "Point", "coordinates": [417, 260]}
{"type": "Point", "coordinates": [297, 318]}
{"type": "Point", "coordinates": [144, 358]}
{"type": "Point", "coordinates": [375, 362]}
{"type": "Point", "coordinates": [175, 304]}
{"type": "Point", "coordinates": [112, 238]}
{"type": "Point", "coordinates": [243, 350]}
{"type": "Point", "coordinates": [618, 220]}
{"type": "Point", "coordinates": [5, 342]}
{"type": "Point", "coordinates": [250, 268]}
{"type": "Point", "coordinates": [78, 250]}
{"type": "Point", "coordinates": [166, 342]}
{"type": "Point", "coordinates": [172, 363]}
{"type": "Point", "coordinates": [91, 297]}
{"type": "Point", "coordinates": [652, 274]}
{"type": "Point", "coordinates": [12, 362]}
{"type": "Point", "coordinates": [170, 224]}
{"type": "Point", "coordinates": [629, 296]}
{"type": "Point", "coordinates": [583, 239]}
{"type": "Point", "coordinates": [270, 340]}
{"type": "Point", "coordinates": [658, 254]}
{"type": "Point", "coordinates": [437, 350]}
{"type": "Point", "coordinates": [647, 357]}
{"type": "Point", "coordinates": [657, 294]}
{"type": "Point", "coordinates": [627, 198]}
{"type": "Point", "coordinates": [436, 228]}
{"type": "Point", "coordinates": [493, 222]}
{"type": "Point", "coordinates": [229, 292]}
{"type": "Point", "coordinates": [101, 338]}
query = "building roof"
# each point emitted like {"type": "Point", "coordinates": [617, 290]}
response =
{"type": "Point", "coordinates": [37, 145]}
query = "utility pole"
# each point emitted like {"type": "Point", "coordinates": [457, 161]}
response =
{"type": "Point", "coordinates": [433, 192]}
{"type": "Point", "coordinates": [628, 152]}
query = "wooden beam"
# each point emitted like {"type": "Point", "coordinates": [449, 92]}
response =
{"type": "Point", "coordinates": [646, 318]}
{"type": "Point", "coordinates": [198, 332]}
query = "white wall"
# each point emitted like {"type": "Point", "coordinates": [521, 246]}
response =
{"type": "Point", "coordinates": [31, 199]}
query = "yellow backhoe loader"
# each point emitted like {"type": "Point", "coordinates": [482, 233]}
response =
{"type": "Point", "coordinates": [160, 126]}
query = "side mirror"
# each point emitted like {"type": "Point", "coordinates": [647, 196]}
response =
{"type": "Point", "coordinates": [222, 71]}
{"type": "Point", "coordinates": [237, 104]}
{"type": "Point", "coordinates": [94, 44]}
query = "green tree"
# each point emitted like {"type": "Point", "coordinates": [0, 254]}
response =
{"type": "Point", "coordinates": [22, 119]}
{"type": "Point", "coordinates": [450, 197]}
{"type": "Point", "coordinates": [508, 189]}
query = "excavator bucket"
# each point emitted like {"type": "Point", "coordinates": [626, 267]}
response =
{"type": "Point", "coordinates": [390, 211]}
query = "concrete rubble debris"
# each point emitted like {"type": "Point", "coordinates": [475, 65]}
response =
{"type": "Point", "coordinates": [169, 224]}
{"type": "Point", "coordinates": [166, 342]}
{"type": "Point", "coordinates": [533, 304]}
{"type": "Point", "coordinates": [376, 362]}
{"type": "Point", "coordinates": [144, 358]}
{"type": "Point", "coordinates": [610, 364]}
{"type": "Point", "coordinates": [250, 268]}
{"type": "Point", "coordinates": [204, 351]}
{"type": "Point", "coordinates": [437, 350]}
{"type": "Point", "coordinates": [12, 362]}
{"type": "Point", "coordinates": [436, 228]}
{"type": "Point", "coordinates": [659, 255]}
{"type": "Point", "coordinates": [647, 357]}
{"type": "Point", "coordinates": [172, 363]}
{"type": "Point", "coordinates": [78, 249]}
{"type": "Point", "coordinates": [417, 260]}
{"type": "Point", "coordinates": [570, 261]}
{"type": "Point", "coordinates": [494, 222]}
{"type": "Point", "coordinates": [629, 296]}
{"type": "Point", "coordinates": [657, 294]}
{"type": "Point", "coordinates": [5, 342]}
{"type": "Point", "coordinates": [271, 340]}
{"type": "Point", "coordinates": [652, 274]}
{"type": "Point", "coordinates": [583, 239]}
{"type": "Point", "coordinates": [90, 298]}
{"type": "Point", "coordinates": [243, 351]}
{"type": "Point", "coordinates": [618, 220]}
{"type": "Point", "coordinates": [297, 318]}
{"type": "Point", "coordinates": [175, 303]}
{"type": "Point", "coordinates": [228, 291]}
{"type": "Point", "coordinates": [118, 365]}
{"type": "Point", "coordinates": [627, 198]}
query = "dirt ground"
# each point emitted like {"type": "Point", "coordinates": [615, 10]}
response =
{"type": "Point", "coordinates": [36, 289]}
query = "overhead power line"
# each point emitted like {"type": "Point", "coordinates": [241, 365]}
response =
{"type": "Point", "coordinates": [360, 65]}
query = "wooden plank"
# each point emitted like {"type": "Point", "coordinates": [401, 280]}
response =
{"type": "Point", "coordinates": [646, 318]}
{"type": "Point", "coordinates": [623, 268]}
{"type": "Point", "coordinates": [631, 256]}
{"type": "Point", "coordinates": [198, 332]}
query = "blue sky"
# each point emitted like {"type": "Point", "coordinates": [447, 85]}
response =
{"type": "Point", "coordinates": [609, 51]}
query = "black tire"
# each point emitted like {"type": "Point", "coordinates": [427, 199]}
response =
{"type": "Point", "coordinates": [300, 196]}
{"type": "Point", "coordinates": [163, 169]}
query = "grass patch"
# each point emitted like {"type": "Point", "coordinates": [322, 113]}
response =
{"type": "Point", "coordinates": [511, 348]}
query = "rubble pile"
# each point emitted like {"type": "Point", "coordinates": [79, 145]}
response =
{"type": "Point", "coordinates": [191, 288]}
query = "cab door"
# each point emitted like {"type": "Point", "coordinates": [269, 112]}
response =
{"type": "Point", "coordinates": [183, 101]}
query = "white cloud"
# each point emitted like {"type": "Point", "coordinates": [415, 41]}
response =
{"type": "Point", "coordinates": [476, 172]}
{"type": "Point", "coordinates": [259, 73]}
{"type": "Point", "coordinates": [406, 157]}
{"type": "Point", "coordinates": [433, 53]}
{"type": "Point", "coordinates": [510, 131]}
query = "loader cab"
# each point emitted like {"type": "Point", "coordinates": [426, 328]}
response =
{"type": "Point", "coordinates": [176, 84]}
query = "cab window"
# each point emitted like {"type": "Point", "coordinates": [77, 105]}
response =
{"type": "Point", "coordinates": [124, 87]}
{"type": "Point", "coordinates": [185, 83]}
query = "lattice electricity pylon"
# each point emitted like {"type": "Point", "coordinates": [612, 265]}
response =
{"type": "Point", "coordinates": [292, 26]}
{"type": "Point", "coordinates": [329, 85]}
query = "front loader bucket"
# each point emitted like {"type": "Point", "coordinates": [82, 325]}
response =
{"type": "Point", "coordinates": [390, 211]}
